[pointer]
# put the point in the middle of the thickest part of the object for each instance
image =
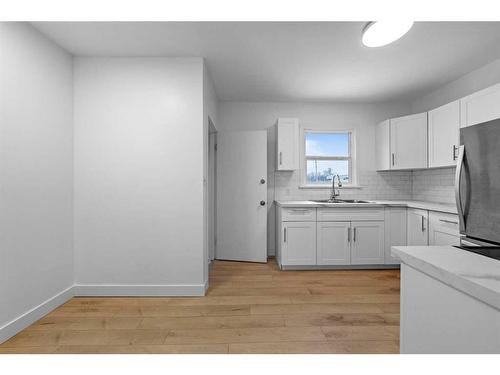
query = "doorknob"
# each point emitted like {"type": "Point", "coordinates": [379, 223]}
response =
{"type": "Point", "coordinates": [262, 203]}
{"type": "Point", "coordinates": [262, 181]}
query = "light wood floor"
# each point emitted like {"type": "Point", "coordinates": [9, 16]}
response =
{"type": "Point", "coordinates": [249, 308]}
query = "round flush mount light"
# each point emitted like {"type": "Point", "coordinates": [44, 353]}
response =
{"type": "Point", "coordinates": [381, 33]}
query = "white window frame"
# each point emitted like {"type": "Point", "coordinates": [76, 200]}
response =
{"type": "Point", "coordinates": [352, 156]}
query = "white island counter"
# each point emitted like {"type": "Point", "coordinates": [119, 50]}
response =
{"type": "Point", "coordinates": [450, 300]}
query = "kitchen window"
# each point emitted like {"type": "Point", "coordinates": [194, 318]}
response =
{"type": "Point", "coordinates": [326, 154]}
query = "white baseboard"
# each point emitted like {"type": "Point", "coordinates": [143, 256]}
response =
{"type": "Point", "coordinates": [21, 322]}
{"type": "Point", "coordinates": [138, 290]}
{"type": "Point", "coordinates": [98, 290]}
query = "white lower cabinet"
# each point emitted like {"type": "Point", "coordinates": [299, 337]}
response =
{"type": "Point", "coordinates": [333, 243]}
{"type": "Point", "coordinates": [418, 230]}
{"type": "Point", "coordinates": [298, 246]}
{"type": "Point", "coordinates": [395, 231]}
{"type": "Point", "coordinates": [443, 229]}
{"type": "Point", "coordinates": [367, 242]}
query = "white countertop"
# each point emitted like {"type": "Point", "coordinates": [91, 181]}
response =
{"type": "Point", "coordinates": [431, 206]}
{"type": "Point", "coordinates": [473, 274]}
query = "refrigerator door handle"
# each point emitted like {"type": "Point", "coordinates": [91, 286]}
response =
{"type": "Point", "coordinates": [461, 152]}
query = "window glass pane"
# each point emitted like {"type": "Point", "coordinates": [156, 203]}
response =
{"type": "Point", "coordinates": [322, 171]}
{"type": "Point", "coordinates": [327, 144]}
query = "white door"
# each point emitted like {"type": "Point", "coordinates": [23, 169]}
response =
{"type": "Point", "coordinates": [409, 142]}
{"type": "Point", "coordinates": [333, 242]}
{"type": "Point", "coordinates": [418, 231]}
{"type": "Point", "coordinates": [367, 242]}
{"type": "Point", "coordinates": [241, 196]}
{"type": "Point", "coordinates": [299, 243]}
{"type": "Point", "coordinates": [444, 123]}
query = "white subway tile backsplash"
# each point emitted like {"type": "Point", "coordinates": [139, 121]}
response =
{"type": "Point", "coordinates": [434, 185]}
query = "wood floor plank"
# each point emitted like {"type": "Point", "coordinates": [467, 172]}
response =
{"type": "Point", "coordinates": [354, 290]}
{"type": "Point", "coordinates": [362, 333]}
{"type": "Point", "coordinates": [325, 320]}
{"type": "Point", "coordinates": [311, 308]}
{"type": "Point", "coordinates": [51, 322]}
{"type": "Point", "coordinates": [214, 336]}
{"type": "Point", "coordinates": [347, 298]}
{"type": "Point", "coordinates": [213, 322]}
{"type": "Point", "coordinates": [339, 347]}
{"type": "Point", "coordinates": [119, 349]}
{"type": "Point", "coordinates": [259, 292]}
{"type": "Point", "coordinates": [249, 308]}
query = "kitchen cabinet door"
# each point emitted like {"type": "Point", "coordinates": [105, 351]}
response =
{"type": "Point", "coordinates": [409, 142]}
{"type": "Point", "coordinates": [418, 231]}
{"type": "Point", "coordinates": [298, 245]}
{"type": "Point", "coordinates": [333, 243]}
{"type": "Point", "coordinates": [395, 231]}
{"type": "Point", "coordinates": [480, 107]}
{"type": "Point", "coordinates": [444, 124]}
{"type": "Point", "coordinates": [367, 242]}
{"type": "Point", "coordinates": [287, 144]}
{"type": "Point", "coordinates": [382, 146]}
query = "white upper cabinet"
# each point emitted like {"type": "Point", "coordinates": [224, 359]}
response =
{"type": "Point", "coordinates": [444, 125]}
{"type": "Point", "coordinates": [382, 146]}
{"type": "Point", "coordinates": [408, 136]}
{"type": "Point", "coordinates": [480, 107]}
{"type": "Point", "coordinates": [287, 144]}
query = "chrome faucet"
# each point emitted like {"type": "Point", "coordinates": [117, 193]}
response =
{"type": "Point", "coordinates": [335, 192]}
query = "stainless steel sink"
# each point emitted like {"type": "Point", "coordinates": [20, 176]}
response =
{"type": "Point", "coordinates": [339, 201]}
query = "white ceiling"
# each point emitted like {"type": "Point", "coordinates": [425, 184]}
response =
{"type": "Point", "coordinates": [297, 61]}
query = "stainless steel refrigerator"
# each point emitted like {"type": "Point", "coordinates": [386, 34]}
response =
{"type": "Point", "coordinates": [477, 184]}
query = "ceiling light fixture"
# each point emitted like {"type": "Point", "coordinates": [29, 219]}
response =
{"type": "Point", "coordinates": [380, 33]}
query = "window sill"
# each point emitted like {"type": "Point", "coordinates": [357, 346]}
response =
{"type": "Point", "coordinates": [328, 187]}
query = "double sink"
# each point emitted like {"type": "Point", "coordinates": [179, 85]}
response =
{"type": "Point", "coordinates": [339, 201]}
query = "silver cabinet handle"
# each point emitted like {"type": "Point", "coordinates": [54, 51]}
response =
{"type": "Point", "coordinates": [393, 159]}
{"type": "Point", "coordinates": [300, 209]}
{"type": "Point", "coordinates": [281, 158]}
{"type": "Point", "coordinates": [461, 218]}
{"type": "Point", "coordinates": [354, 234]}
{"type": "Point", "coordinates": [448, 221]}
{"type": "Point", "coordinates": [284, 235]}
{"type": "Point", "coordinates": [348, 234]}
{"type": "Point", "coordinates": [423, 226]}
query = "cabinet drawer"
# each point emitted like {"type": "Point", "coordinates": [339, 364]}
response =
{"type": "Point", "coordinates": [443, 229]}
{"type": "Point", "coordinates": [351, 214]}
{"type": "Point", "coordinates": [298, 214]}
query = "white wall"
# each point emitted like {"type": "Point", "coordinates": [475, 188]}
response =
{"type": "Point", "coordinates": [476, 80]}
{"type": "Point", "coordinates": [238, 116]}
{"type": "Point", "coordinates": [36, 176]}
{"type": "Point", "coordinates": [139, 164]}
{"type": "Point", "coordinates": [438, 185]}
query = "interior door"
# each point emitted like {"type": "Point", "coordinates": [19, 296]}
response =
{"type": "Point", "coordinates": [241, 196]}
